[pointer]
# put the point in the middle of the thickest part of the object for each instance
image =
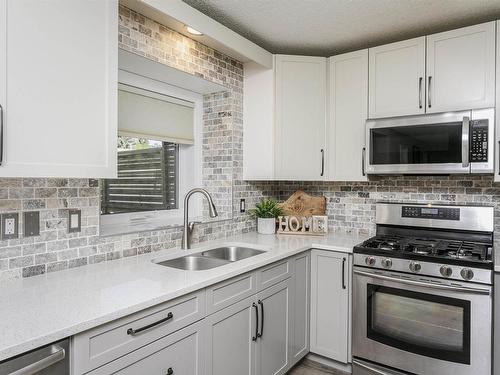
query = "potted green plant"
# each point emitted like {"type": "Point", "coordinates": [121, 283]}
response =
{"type": "Point", "coordinates": [266, 213]}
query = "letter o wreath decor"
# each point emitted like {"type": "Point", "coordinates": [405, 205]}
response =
{"type": "Point", "coordinates": [294, 224]}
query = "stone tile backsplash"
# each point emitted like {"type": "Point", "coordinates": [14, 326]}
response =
{"type": "Point", "coordinates": [350, 205]}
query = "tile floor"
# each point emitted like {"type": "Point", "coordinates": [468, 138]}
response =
{"type": "Point", "coordinates": [307, 367]}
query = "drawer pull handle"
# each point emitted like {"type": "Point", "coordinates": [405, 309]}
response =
{"type": "Point", "coordinates": [133, 332]}
{"type": "Point", "coordinates": [170, 371]}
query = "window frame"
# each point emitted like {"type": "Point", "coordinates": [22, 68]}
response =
{"type": "Point", "coordinates": [190, 158]}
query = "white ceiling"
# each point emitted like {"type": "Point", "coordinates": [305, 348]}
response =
{"type": "Point", "coordinates": [327, 27]}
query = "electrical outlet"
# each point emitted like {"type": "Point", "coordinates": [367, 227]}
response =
{"type": "Point", "coordinates": [10, 226]}
{"type": "Point", "coordinates": [74, 221]}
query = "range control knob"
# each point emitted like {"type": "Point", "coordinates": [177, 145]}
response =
{"type": "Point", "coordinates": [467, 273]}
{"type": "Point", "coordinates": [370, 261]}
{"type": "Point", "coordinates": [387, 263]}
{"type": "Point", "coordinates": [446, 271]}
{"type": "Point", "coordinates": [415, 267]}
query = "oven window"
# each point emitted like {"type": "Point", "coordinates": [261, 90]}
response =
{"type": "Point", "coordinates": [426, 324]}
{"type": "Point", "coordinates": [422, 144]}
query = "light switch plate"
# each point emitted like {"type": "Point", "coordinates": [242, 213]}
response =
{"type": "Point", "coordinates": [31, 223]}
{"type": "Point", "coordinates": [10, 226]}
{"type": "Point", "coordinates": [74, 221]}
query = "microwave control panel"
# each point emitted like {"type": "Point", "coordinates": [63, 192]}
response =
{"type": "Point", "coordinates": [479, 141]}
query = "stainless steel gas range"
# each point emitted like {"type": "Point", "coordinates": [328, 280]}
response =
{"type": "Point", "coordinates": [422, 297]}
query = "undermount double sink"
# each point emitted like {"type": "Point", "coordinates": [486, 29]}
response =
{"type": "Point", "coordinates": [211, 258]}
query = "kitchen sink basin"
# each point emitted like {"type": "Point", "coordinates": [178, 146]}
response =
{"type": "Point", "coordinates": [194, 263]}
{"type": "Point", "coordinates": [231, 253]}
{"type": "Point", "coordinates": [211, 258]}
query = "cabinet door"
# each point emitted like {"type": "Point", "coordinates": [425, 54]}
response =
{"type": "Point", "coordinates": [300, 117]}
{"type": "Point", "coordinates": [461, 69]}
{"type": "Point", "coordinates": [497, 111]}
{"type": "Point", "coordinates": [330, 305]}
{"type": "Point", "coordinates": [397, 73]}
{"type": "Point", "coordinates": [179, 353]}
{"type": "Point", "coordinates": [230, 348]}
{"type": "Point", "coordinates": [60, 88]}
{"type": "Point", "coordinates": [348, 88]}
{"type": "Point", "coordinates": [258, 122]}
{"type": "Point", "coordinates": [299, 335]}
{"type": "Point", "coordinates": [274, 329]}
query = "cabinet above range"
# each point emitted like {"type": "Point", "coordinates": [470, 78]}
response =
{"type": "Point", "coordinates": [449, 71]}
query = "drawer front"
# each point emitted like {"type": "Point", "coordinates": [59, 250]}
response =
{"type": "Point", "coordinates": [105, 343]}
{"type": "Point", "coordinates": [178, 354]}
{"type": "Point", "coordinates": [230, 291]}
{"type": "Point", "coordinates": [273, 274]}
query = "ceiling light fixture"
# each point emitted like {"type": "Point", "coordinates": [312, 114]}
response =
{"type": "Point", "coordinates": [192, 31]}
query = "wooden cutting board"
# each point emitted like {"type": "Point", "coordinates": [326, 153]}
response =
{"type": "Point", "coordinates": [302, 204]}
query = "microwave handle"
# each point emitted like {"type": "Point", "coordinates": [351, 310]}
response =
{"type": "Point", "coordinates": [465, 141]}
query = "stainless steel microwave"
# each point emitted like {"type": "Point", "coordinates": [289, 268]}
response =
{"type": "Point", "coordinates": [444, 143]}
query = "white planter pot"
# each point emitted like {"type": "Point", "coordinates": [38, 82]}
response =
{"type": "Point", "coordinates": [266, 225]}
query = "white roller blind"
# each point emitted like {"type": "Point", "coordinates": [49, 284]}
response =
{"type": "Point", "coordinates": [146, 114]}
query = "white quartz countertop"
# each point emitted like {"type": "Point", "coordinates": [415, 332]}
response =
{"type": "Point", "coordinates": [42, 309]}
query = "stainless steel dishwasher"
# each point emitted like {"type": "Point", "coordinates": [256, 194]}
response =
{"type": "Point", "coordinates": [51, 359]}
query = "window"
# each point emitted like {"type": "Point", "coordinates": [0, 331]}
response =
{"type": "Point", "coordinates": [148, 177]}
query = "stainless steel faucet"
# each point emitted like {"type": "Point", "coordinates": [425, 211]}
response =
{"type": "Point", "coordinates": [189, 225]}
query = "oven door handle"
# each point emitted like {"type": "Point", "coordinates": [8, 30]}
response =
{"type": "Point", "coordinates": [424, 284]}
{"type": "Point", "coordinates": [465, 141]}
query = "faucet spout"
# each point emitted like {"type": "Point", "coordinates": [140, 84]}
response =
{"type": "Point", "coordinates": [188, 227]}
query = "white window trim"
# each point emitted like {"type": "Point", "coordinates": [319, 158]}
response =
{"type": "Point", "coordinates": [190, 157]}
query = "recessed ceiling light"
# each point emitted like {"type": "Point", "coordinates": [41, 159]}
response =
{"type": "Point", "coordinates": [192, 31]}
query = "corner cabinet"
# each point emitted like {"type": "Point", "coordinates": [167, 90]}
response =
{"type": "Point", "coordinates": [58, 88]}
{"type": "Point", "coordinates": [330, 305]}
{"type": "Point", "coordinates": [300, 117]}
{"type": "Point", "coordinates": [348, 107]}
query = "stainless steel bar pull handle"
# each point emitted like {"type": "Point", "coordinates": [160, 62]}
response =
{"type": "Point", "coordinates": [133, 332]}
{"type": "Point", "coordinates": [322, 162]}
{"type": "Point", "coordinates": [420, 92]}
{"type": "Point", "coordinates": [57, 355]}
{"type": "Point", "coordinates": [465, 141]}
{"type": "Point", "coordinates": [463, 289]}
{"type": "Point", "coordinates": [1, 134]}
{"type": "Point", "coordinates": [429, 101]}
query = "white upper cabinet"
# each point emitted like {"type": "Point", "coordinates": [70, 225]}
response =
{"type": "Point", "coordinates": [258, 122]}
{"type": "Point", "coordinates": [461, 69]}
{"type": "Point", "coordinates": [397, 74]}
{"type": "Point", "coordinates": [58, 87]}
{"type": "Point", "coordinates": [300, 117]}
{"type": "Point", "coordinates": [348, 107]}
{"type": "Point", "coordinates": [497, 111]}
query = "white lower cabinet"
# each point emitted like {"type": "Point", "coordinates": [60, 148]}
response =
{"type": "Point", "coordinates": [301, 292]}
{"type": "Point", "coordinates": [252, 324]}
{"type": "Point", "coordinates": [330, 327]}
{"type": "Point", "coordinates": [229, 346]}
{"type": "Point", "coordinates": [274, 320]}
{"type": "Point", "coordinates": [180, 353]}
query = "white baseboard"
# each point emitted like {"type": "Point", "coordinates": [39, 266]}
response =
{"type": "Point", "coordinates": [329, 362]}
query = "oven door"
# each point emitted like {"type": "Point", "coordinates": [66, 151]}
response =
{"type": "Point", "coordinates": [421, 325]}
{"type": "Point", "coordinates": [428, 144]}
